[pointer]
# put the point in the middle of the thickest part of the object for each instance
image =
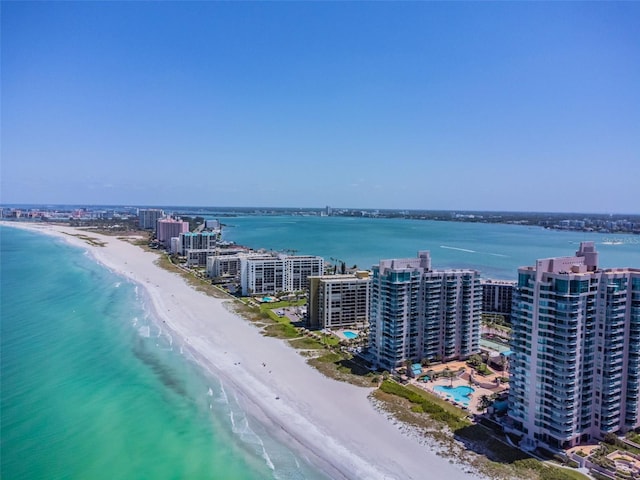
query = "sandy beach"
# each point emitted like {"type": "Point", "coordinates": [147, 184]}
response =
{"type": "Point", "coordinates": [332, 423]}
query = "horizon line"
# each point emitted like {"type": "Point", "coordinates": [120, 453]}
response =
{"type": "Point", "coordinates": [380, 209]}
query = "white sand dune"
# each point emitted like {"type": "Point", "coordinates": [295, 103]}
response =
{"type": "Point", "coordinates": [332, 423]}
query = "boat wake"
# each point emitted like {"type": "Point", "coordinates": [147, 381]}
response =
{"type": "Point", "coordinates": [459, 249]}
{"type": "Point", "coordinates": [466, 250]}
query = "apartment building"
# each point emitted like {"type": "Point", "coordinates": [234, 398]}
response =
{"type": "Point", "coordinates": [338, 301]}
{"type": "Point", "coordinates": [148, 218]}
{"type": "Point", "coordinates": [198, 258]}
{"type": "Point", "coordinates": [168, 228]}
{"type": "Point", "coordinates": [575, 366]}
{"type": "Point", "coordinates": [421, 313]}
{"type": "Point", "coordinates": [225, 263]}
{"type": "Point", "coordinates": [269, 274]}
{"type": "Point", "coordinates": [197, 241]}
{"type": "Point", "coordinates": [497, 296]}
{"type": "Point", "coordinates": [298, 269]}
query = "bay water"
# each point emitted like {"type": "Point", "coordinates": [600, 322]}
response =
{"type": "Point", "coordinates": [92, 387]}
{"type": "Point", "coordinates": [497, 250]}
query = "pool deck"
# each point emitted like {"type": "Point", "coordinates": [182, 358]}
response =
{"type": "Point", "coordinates": [462, 380]}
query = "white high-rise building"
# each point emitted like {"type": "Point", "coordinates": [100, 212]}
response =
{"type": "Point", "coordinates": [420, 313]}
{"type": "Point", "coordinates": [575, 366]}
{"type": "Point", "coordinates": [197, 241]}
{"type": "Point", "coordinates": [268, 274]}
{"type": "Point", "coordinates": [224, 264]}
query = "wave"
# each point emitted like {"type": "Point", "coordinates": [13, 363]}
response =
{"type": "Point", "coordinates": [222, 398]}
{"type": "Point", "coordinates": [240, 426]}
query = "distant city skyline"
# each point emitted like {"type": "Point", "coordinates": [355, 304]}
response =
{"type": "Point", "coordinates": [530, 107]}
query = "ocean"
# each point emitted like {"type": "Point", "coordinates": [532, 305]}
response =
{"type": "Point", "coordinates": [92, 388]}
{"type": "Point", "coordinates": [497, 250]}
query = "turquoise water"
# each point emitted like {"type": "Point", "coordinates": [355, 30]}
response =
{"type": "Point", "coordinates": [350, 335]}
{"type": "Point", "coordinates": [497, 250]}
{"type": "Point", "coordinates": [93, 389]}
{"type": "Point", "coordinates": [458, 394]}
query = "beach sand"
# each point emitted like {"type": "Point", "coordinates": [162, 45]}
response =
{"type": "Point", "coordinates": [333, 423]}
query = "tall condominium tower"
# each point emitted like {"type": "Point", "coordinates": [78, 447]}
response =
{"type": "Point", "coordinates": [421, 313]}
{"type": "Point", "coordinates": [168, 228]}
{"type": "Point", "coordinates": [575, 367]}
{"type": "Point", "coordinates": [338, 301]}
{"type": "Point", "coordinates": [148, 217]}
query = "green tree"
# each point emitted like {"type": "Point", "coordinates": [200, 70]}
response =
{"type": "Point", "coordinates": [484, 402]}
{"type": "Point", "coordinates": [475, 360]}
{"type": "Point", "coordinates": [407, 365]}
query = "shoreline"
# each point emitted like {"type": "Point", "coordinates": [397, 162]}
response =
{"type": "Point", "coordinates": [333, 424]}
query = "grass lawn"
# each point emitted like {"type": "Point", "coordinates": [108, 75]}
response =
{"type": "Point", "coordinates": [281, 330]}
{"type": "Point", "coordinates": [305, 343]}
{"type": "Point", "coordinates": [282, 304]}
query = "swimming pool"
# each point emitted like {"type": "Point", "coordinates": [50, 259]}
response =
{"type": "Point", "coordinates": [458, 394]}
{"type": "Point", "coordinates": [350, 335]}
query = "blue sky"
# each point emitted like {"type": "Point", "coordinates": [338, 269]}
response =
{"type": "Point", "coordinates": [477, 106]}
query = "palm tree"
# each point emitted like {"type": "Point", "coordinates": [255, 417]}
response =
{"type": "Point", "coordinates": [407, 364]}
{"type": "Point", "coordinates": [484, 402]}
{"type": "Point", "coordinates": [447, 373]}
